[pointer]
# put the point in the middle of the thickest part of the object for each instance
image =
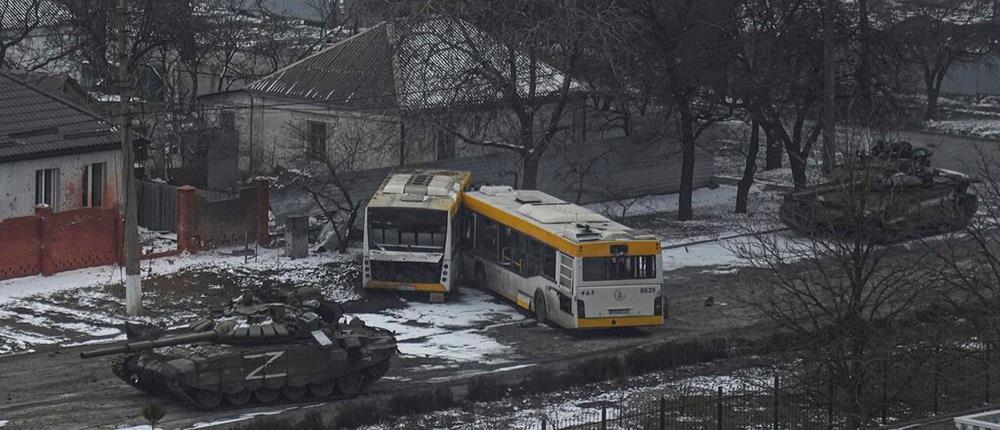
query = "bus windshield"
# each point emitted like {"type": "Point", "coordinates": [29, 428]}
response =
{"type": "Point", "coordinates": [401, 229]}
{"type": "Point", "coordinates": [619, 268]}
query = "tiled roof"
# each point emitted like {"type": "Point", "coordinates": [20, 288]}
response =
{"type": "Point", "coordinates": [355, 72]}
{"type": "Point", "coordinates": [34, 124]}
{"type": "Point", "coordinates": [407, 64]}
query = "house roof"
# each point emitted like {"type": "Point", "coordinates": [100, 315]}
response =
{"type": "Point", "coordinates": [35, 124]}
{"type": "Point", "coordinates": [408, 64]}
{"type": "Point", "coordinates": [19, 14]}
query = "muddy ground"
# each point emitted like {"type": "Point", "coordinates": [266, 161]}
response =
{"type": "Point", "coordinates": [53, 388]}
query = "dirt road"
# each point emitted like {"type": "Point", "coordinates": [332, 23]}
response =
{"type": "Point", "coordinates": [54, 389]}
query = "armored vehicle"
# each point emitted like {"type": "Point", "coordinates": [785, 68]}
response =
{"type": "Point", "coordinates": [892, 194]}
{"type": "Point", "coordinates": [256, 349]}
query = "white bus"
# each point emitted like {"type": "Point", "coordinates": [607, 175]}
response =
{"type": "Point", "coordinates": [409, 241]}
{"type": "Point", "coordinates": [567, 264]}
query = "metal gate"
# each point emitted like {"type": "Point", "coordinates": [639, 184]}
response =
{"type": "Point", "coordinates": [157, 206]}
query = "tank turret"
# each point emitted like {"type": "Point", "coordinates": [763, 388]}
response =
{"type": "Point", "coordinates": [891, 194]}
{"type": "Point", "coordinates": [255, 349]}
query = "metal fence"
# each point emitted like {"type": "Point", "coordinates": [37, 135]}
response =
{"type": "Point", "coordinates": [157, 206]}
{"type": "Point", "coordinates": [943, 385]}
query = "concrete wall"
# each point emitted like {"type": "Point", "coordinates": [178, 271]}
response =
{"type": "Point", "coordinates": [272, 133]}
{"type": "Point", "coordinates": [17, 181]}
{"type": "Point", "coordinates": [982, 77]}
{"type": "Point", "coordinates": [596, 170]}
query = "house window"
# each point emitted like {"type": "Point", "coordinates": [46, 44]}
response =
{"type": "Point", "coordinates": [47, 188]}
{"type": "Point", "coordinates": [316, 138]}
{"type": "Point", "coordinates": [228, 120]}
{"type": "Point", "coordinates": [444, 143]}
{"type": "Point", "coordinates": [93, 184]}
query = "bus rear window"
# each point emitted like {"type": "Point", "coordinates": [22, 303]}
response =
{"type": "Point", "coordinates": [619, 268]}
{"type": "Point", "coordinates": [400, 229]}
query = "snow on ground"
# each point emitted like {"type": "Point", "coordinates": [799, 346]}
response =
{"type": "Point", "coordinates": [714, 219]}
{"type": "Point", "coordinates": [453, 331]}
{"type": "Point", "coordinates": [702, 198]}
{"type": "Point", "coordinates": [78, 307]}
{"type": "Point", "coordinates": [584, 403]}
{"type": "Point", "coordinates": [986, 128]}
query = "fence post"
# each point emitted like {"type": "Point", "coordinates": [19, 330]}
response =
{"type": "Point", "coordinates": [935, 390]}
{"type": "Point", "coordinates": [44, 214]}
{"type": "Point", "coordinates": [718, 410]}
{"type": "Point", "coordinates": [604, 418]}
{"type": "Point", "coordinates": [829, 405]}
{"type": "Point", "coordinates": [885, 390]}
{"type": "Point", "coordinates": [777, 401]}
{"type": "Point", "coordinates": [262, 234]}
{"type": "Point", "coordinates": [543, 423]}
{"type": "Point", "coordinates": [663, 412]}
{"type": "Point", "coordinates": [987, 391]}
{"type": "Point", "coordinates": [185, 218]}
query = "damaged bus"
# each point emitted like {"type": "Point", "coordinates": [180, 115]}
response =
{"type": "Point", "coordinates": [570, 266]}
{"type": "Point", "coordinates": [409, 239]}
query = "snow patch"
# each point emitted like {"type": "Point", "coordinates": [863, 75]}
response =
{"type": "Point", "coordinates": [452, 331]}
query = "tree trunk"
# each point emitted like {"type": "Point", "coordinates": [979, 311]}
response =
{"type": "Point", "coordinates": [193, 100]}
{"type": "Point", "coordinates": [798, 164]}
{"type": "Point", "coordinates": [774, 150]}
{"type": "Point", "coordinates": [685, 211]}
{"type": "Point", "coordinates": [932, 81]}
{"type": "Point", "coordinates": [743, 189]}
{"type": "Point", "coordinates": [864, 67]}
{"type": "Point", "coordinates": [829, 88]}
{"type": "Point", "coordinates": [529, 170]}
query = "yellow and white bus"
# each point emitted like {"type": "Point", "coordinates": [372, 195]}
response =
{"type": "Point", "coordinates": [410, 240]}
{"type": "Point", "coordinates": [567, 264]}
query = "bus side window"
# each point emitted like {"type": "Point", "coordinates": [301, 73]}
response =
{"type": "Point", "coordinates": [507, 243]}
{"type": "Point", "coordinates": [486, 238]}
{"type": "Point", "coordinates": [532, 257]}
{"type": "Point", "coordinates": [548, 262]}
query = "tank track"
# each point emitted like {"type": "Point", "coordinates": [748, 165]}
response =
{"type": "Point", "coordinates": [151, 382]}
{"type": "Point", "coordinates": [798, 215]}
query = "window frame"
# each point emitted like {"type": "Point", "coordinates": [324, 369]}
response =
{"type": "Point", "coordinates": [317, 134]}
{"type": "Point", "coordinates": [47, 188]}
{"type": "Point", "coordinates": [89, 185]}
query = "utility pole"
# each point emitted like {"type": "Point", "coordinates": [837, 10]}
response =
{"type": "Point", "coordinates": [829, 89]}
{"type": "Point", "coordinates": [133, 288]}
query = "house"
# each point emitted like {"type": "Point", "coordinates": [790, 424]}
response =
{"type": "Point", "coordinates": [384, 87]}
{"type": "Point", "coordinates": [53, 152]}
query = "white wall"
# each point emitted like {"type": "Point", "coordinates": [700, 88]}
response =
{"type": "Point", "coordinates": [17, 181]}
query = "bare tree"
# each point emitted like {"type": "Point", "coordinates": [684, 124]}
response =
{"type": "Point", "coordinates": [844, 296]}
{"type": "Point", "coordinates": [676, 53]}
{"type": "Point", "coordinates": [936, 35]}
{"type": "Point", "coordinates": [326, 163]}
{"type": "Point", "coordinates": [497, 74]}
{"type": "Point", "coordinates": [971, 257]}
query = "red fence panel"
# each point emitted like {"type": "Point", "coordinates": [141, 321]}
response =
{"type": "Point", "coordinates": [83, 238]}
{"type": "Point", "coordinates": [20, 247]}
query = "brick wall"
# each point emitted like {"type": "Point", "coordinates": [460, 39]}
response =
{"type": "Point", "coordinates": [204, 222]}
{"type": "Point", "coordinates": [49, 242]}
{"type": "Point", "coordinates": [20, 247]}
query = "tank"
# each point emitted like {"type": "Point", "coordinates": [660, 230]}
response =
{"type": "Point", "coordinates": [262, 347]}
{"type": "Point", "coordinates": [891, 194]}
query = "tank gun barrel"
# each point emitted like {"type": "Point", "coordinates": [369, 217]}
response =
{"type": "Point", "coordinates": [145, 345]}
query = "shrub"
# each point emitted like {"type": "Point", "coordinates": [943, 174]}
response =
{"type": "Point", "coordinates": [357, 414]}
{"type": "Point", "coordinates": [485, 388]}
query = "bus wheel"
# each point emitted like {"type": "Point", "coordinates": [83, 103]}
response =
{"type": "Point", "coordinates": [541, 310]}
{"type": "Point", "coordinates": [480, 275]}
